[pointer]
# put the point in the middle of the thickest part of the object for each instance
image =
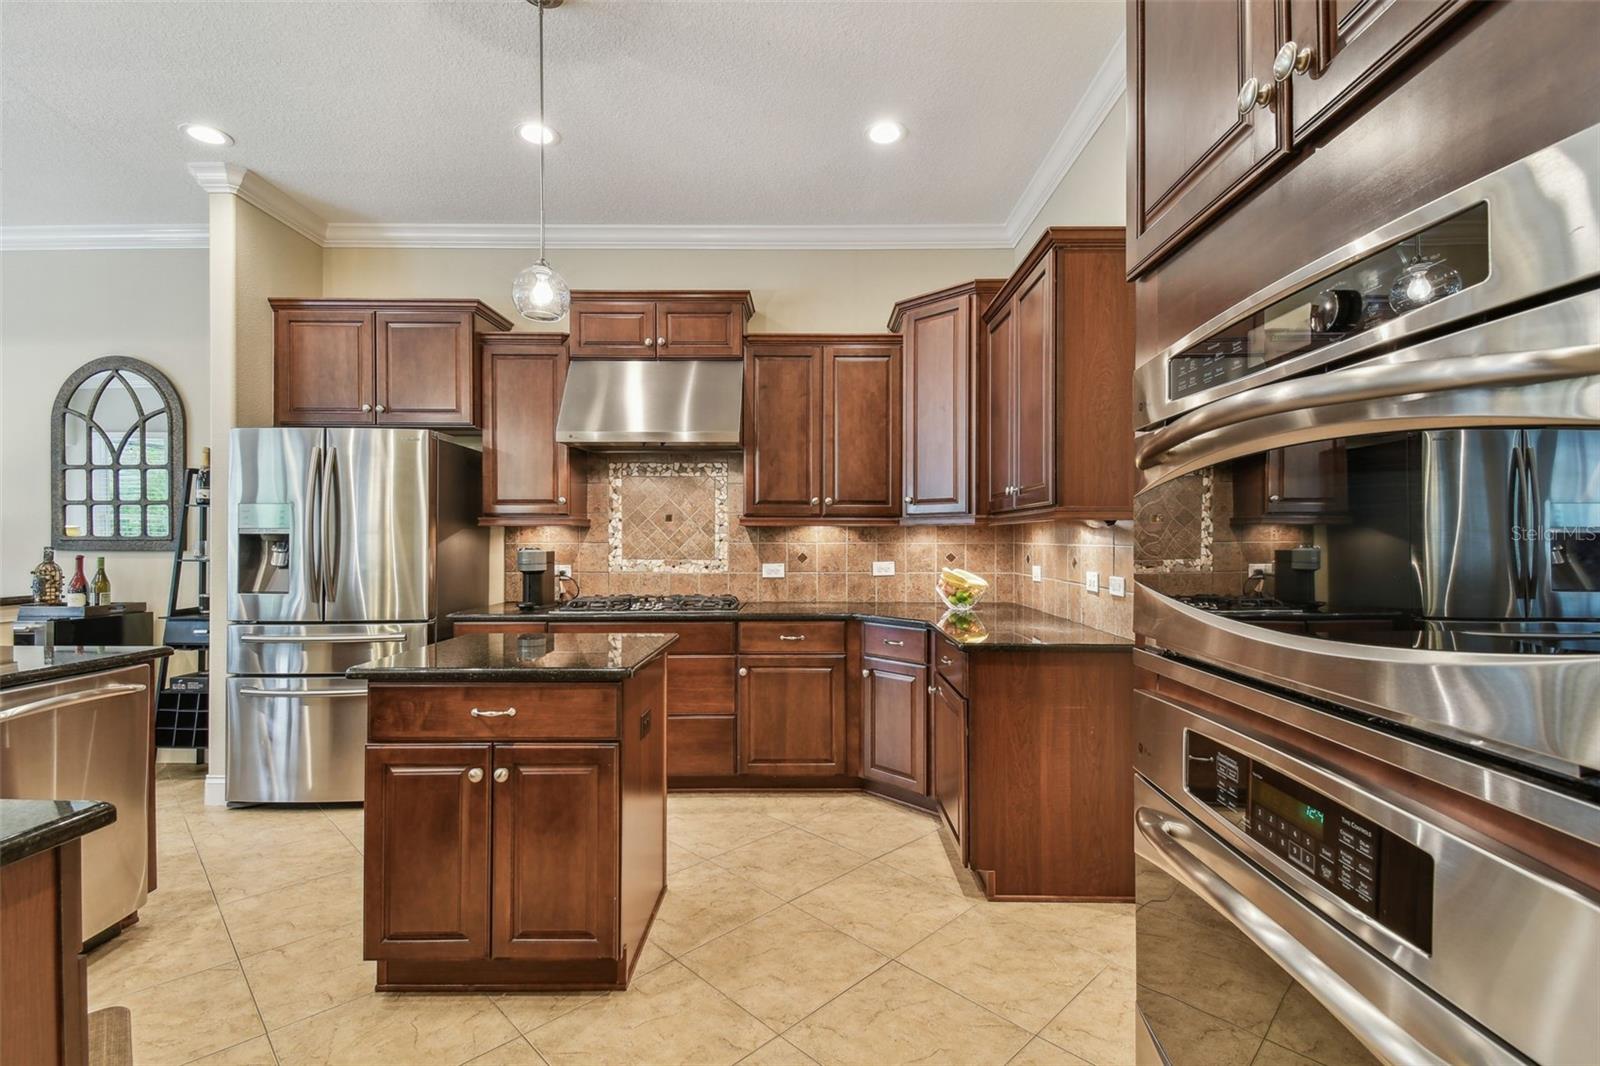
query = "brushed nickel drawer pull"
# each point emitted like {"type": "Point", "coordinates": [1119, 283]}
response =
{"type": "Point", "coordinates": [509, 712]}
{"type": "Point", "coordinates": [791, 636]}
{"type": "Point", "coordinates": [894, 643]}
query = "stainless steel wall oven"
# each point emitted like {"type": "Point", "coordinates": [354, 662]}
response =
{"type": "Point", "coordinates": [1368, 790]}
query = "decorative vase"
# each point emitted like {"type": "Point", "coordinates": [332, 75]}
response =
{"type": "Point", "coordinates": [47, 579]}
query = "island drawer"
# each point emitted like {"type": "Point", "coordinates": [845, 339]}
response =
{"type": "Point", "coordinates": [951, 662]}
{"type": "Point", "coordinates": [906, 645]}
{"type": "Point", "coordinates": [445, 712]}
{"type": "Point", "coordinates": [694, 638]}
{"type": "Point", "coordinates": [791, 638]}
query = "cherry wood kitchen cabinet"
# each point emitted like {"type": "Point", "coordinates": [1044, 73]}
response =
{"type": "Point", "coordinates": [942, 340]}
{"type": "Point", "coordinates": [822, 428]}
{"type": "Point", "coordinates": [660, 324]}
{"type": "Point", "coordinates": [1056, 433]}
{"type": "Point", "coordinates": [791, 715]}
{"type": "Point", "coordinates": [528, 478]}
{"type": "Point", "coordinates": [1299, 484]}
{"type": "Point", "coordinates": [378, 363]}
{"type": "Point", "coordinates": [894, 724]}
{"type": "Point", "coordinates": [947, 778]}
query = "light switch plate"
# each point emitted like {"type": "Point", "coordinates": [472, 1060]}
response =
{"type": "Point", "coordinates": [563, 570]}
{"type": "Point", "coordinates": [771, 569]}
{"type": "Point", "coordinates": [1038, 572]}
{"type": "Point", "coordinates": [1257, 569]}
{"type": "Point", "coordinates": [1091, 581]}
{"type": "Point", "coordinates": [1118, 586]}
{"type": "Point", "coordinates": [883, 568]}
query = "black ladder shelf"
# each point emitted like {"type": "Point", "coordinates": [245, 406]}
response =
{"type": "Point", "coordinates": [183, 702]}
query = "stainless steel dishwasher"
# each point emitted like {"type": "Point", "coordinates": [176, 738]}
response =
{"type": "Point", "coordinates": [88, 737]}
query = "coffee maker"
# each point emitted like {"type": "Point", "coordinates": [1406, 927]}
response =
{"type": "Point", "coordinates": [538, 568]}
{"type": "Point", "coordinates": [1295, 574]}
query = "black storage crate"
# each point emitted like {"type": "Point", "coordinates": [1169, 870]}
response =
{"type": "Point", "coordinates": [183, 716]}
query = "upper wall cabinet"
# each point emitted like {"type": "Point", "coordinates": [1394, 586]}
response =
{"type": "Point", "coordinates": [1055, 436]}
{"type": "Point", "coordinates": [942, 336]}
{"type": "Point", "coordinates": [528, 479]}
{"type": "Point", "coordinates": [378, 363]}
{"type": "Point", "coordinates": [1223, 91]}
{"type": "Point", "coordinates": [656, 324]}
{"type": "Point", "coordinates": [822, 428]}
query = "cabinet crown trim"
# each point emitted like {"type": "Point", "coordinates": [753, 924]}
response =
{"type": "Point", "coordinates": [477, 307]}
{"type": "Point", "coordinates": [982, 288]}
{"type": "Point", "coordinates": [741, 295]}
{"type": "Point", "coordinates": [1058, 238]}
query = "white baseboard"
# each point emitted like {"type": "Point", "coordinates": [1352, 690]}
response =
{"type": "Point", "coordinates": [216, 790]}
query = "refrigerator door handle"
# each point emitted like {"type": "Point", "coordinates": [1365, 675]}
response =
{"type": "Point", "coordinates": [1515, 500]}
{"type": "Point", "coordinates": [331, 520]}
{"type": "Point", "coordinates": [314, 541]}
{"type": "Point", "coordinates": [1533, 532]}
{"type": "Point", "coordinates": [302, 693]}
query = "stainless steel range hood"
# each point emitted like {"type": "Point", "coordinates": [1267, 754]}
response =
{"type": "Point", "coordinates": [644, 403]}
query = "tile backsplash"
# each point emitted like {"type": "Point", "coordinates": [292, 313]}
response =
{"type": "Point", "coordinates": [669, 523]}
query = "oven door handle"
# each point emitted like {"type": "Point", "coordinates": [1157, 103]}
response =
{"type": "Point", "coordinates": [1318, 956]}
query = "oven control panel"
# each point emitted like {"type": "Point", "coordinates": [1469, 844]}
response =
{"type": "Point", "coordinates": [1384, 877]}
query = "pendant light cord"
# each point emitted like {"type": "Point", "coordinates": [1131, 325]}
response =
{"type": "Point", "coordinates": [544, 130]}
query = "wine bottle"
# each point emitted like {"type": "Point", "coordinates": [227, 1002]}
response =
{"type": "Point", "coordinates": [202, 488]}
{"type": "Point", "coordinates": [100, 587]}
{"type": "Point", "coordinates": [78, 590]}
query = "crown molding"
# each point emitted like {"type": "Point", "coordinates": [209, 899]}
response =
{"type": "Point", "coordinates": [260, 193]}
{"type": "Point", "coordinates": [99, 238]}
{"type": "Point", "coordinates": [1106, 88]}
{"type": "Point", "coordinates": [491, 235]}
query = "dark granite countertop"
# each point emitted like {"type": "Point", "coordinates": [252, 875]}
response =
{"type": "Point", "coordinates": [29, 826]}
{"type": "Point", "coordinates": [32, 665]}
{"type": "Point", "coordinates": [1000, 626]}
{"type": "Point", "coordinates": [15, 601]}
{"type": "Point", "coordinates": [518, 659]}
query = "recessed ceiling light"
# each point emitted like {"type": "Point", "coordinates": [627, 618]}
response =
{"type": "Point", "coordinates": [206, 134]}
{"type": "Point", "coordinates": [886, 132]}
{"type": "Point", "coordinates": [532, 131]}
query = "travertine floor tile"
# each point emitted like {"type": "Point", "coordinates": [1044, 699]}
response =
{"type": "Point", "coordinates": [680, 858]}
{"type": "Point", "coordinates": [655, 957]}
{"type": "Point", "coordinates": [257, 1051]}
{"type": "Point", "coordinates": [516, 1053]}
{"type": "Point", "coordinates": [1025, 975]}
{"type": "Point", "coordinates": [1098, 1024]}
{"type": "Point", "coordinates": [1305, 1027]}
{"type": "Point", "coordinates": [790, 863]}
{"type": "Point", "coordinates": [1104, 928]}
{"type": "Point", "coordinates": [933, 858]}
{"type": "Point", "coordinates": [529, 1010]}
{"type": "Point", "coordinates": [783, 965]}
{"type": "Point", "coordinates": [237, 870]}
{"type": "Point", "coordinates": [191, 1016]}
{"type": "Point", "coordinates": [709, 833]}
{"type": "Point", "coordinates": [706, 901]}
{"type": "Point", "coordinates": [180, 931]}
{"type": "Point", "coordinates": [882, 907]}
{"type": "Point", "coordinates": [296, 980]}
{"type": "Point", "coordinates": [777, 1052]}
{"type": "Point", "coordinates": [1041, 1052]}
{"type": "Point", "coordinates": [796, 808]}
{"type": "Point", "coordinates": [385, 1028]}
{"type": "Point", "coordinates": [667, 1016]}
{"type": "Point", "coordinates": [349, 821]}
{"type": "Point", "coordinates": [1191, 1035]}
{"type": "Point", "coordinates": [293, 912]}
{"type": "Point", "coordinates": [897, 1016]}
{"type": "Point", "coordinates": [871, 827]}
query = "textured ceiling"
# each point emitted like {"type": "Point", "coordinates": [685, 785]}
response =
{"type": "Point", "coordinates": [685, 113]}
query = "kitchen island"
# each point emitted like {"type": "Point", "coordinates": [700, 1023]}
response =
{"type": "Point", "coordinates": [515, 810]}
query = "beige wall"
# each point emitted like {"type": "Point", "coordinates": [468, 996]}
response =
{"type": "Point", "coordinates": [60, 310]}
{"type": "Point", "coordinates": [1094, 191]}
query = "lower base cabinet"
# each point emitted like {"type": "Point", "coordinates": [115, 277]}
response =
{"type": "Point", "coordinates": [894, 724]}
{"type": "Point", "coordinates": [948, 777]}
{"type": "Point", "coordinates": [791, 715]}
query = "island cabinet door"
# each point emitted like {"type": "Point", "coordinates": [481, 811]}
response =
{"type": "Point", "coordinates": [556, 837]}
{"type": "Point", "coordinates": [791, 715]}
{"type": "Point", "coordinates": [427, 851]}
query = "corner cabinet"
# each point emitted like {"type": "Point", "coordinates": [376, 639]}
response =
{"type": "Point", "coordinates": [822, 428]}
{"type": "Point", "coordinates": [528, 478]}
{"type": "Point", "coordinates": [378, 363]}
{"type": "Point", "coordinates": [659, 324]}
{"type": "Point", "coordinates": [942, 339]}
{"type": "Point", "coordinates": [1056, 407]}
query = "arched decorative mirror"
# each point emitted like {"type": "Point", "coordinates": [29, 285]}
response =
{"type": "Point", "coordinates": [117, 439]}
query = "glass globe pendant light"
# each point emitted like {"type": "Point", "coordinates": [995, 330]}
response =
{"type": "Point", "coordinates": [538, 291]}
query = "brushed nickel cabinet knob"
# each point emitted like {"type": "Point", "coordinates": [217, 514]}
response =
{"type": "Point", "coordinates": [661, 341]}
{"type": "Point", "coordinates": [1290, 60]}
{"type": "Point", "coordinates": [908, 499]}
{"type": "Point", "coordinates": [649, 342]}
{"type": "Point", "coordinates": [1254, 93]}
{"type": "Point", "coordinates": [827, 501]}
{"type": "Point", "coordinates": [474, 775]}
{"type": "Point", "coordinates": [502, 775]}
{"type": "Point", "coordinates": [744, 671]}
{"type": "Point", "coordinates": [815, 501]}
{"type": "Point", "coordinates": [366, 407]}
{"type": "Point", "coordinates": [865, 672]}
{"type": "Point", "coordinates": [561, 499]}
{"type": "Point", "coordinates": [381, 408]}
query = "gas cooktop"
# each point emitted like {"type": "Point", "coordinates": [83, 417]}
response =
{"type": "Point", "coordinates": [1248, 605]}
{"type": "Point", "coordinates": [659, 604]}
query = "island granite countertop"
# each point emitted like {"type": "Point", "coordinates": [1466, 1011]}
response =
{"type": "Point", "coordinates": [999, 626]}
{"type": "Point", "coordinates": [33, 665]}
{"type": "Point", "coordinates": [29, 826]}
{"type": "Point", "coordinates": [521, 659]}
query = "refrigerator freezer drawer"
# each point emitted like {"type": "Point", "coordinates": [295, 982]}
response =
{"type": "Point", "coordinates": [88, 738]}
{"type": "Point", "coordinates": [296, 740]}
{"type": "Point", "coordinates": [276, 650]}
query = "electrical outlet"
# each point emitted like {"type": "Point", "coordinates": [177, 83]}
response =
{"type": "Point", "coordinates": [1258, 569]}
{"type": "Point", "coordinates": [1091, 581]}
{"type": "Point", "coordinates": [1038, 572]}
{"type": "Point", "coordinates": [771, 569]}
{"type": "Point", "coordinates": [563, 570]}
{"type": "Point", "coordinates": [1118, 586]}
{"type": "Point", "coordinates": [883, 568]}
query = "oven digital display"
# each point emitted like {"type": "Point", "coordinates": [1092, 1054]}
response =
{"type": "Point", "coordinates": [1380, 875]}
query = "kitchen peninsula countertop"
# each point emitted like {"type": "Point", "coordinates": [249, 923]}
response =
{"type": "Point", "coordinates": [32, 665]}
{"type": "Point", "coordinates": [1005, 626]}
{"type": "Point", "coordinates": [29, 826]}
{"type": "Point", "coordinates": [517, 658]}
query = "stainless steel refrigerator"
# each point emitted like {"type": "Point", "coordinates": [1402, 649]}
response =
{"type": "Point", "coordinates": [347, 545]}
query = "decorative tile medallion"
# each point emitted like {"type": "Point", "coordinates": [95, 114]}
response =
{"type": "Point", "coordinates": [668, 517]}
{"type": "Point", "coordinates": [1173, 527]}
